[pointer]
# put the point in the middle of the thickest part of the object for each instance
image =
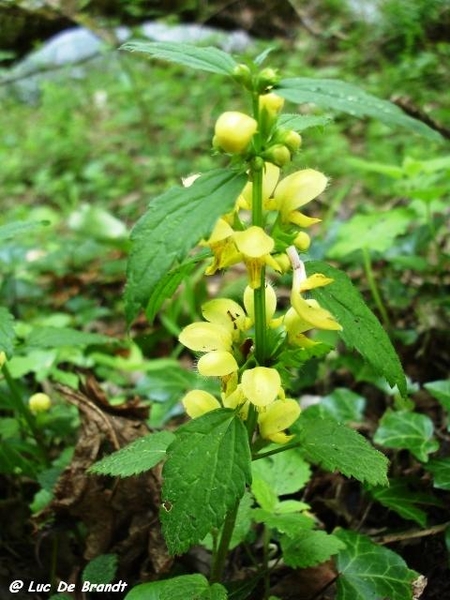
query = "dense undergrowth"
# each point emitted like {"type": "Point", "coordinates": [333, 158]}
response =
{"type": "Point", "coordinates": [77, 169]}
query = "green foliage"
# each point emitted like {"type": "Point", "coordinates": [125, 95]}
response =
{"type": "Point", "coordinates": [139, 456]}
{"type": "Point", "coordinates": [7, 333]}
{"type": "Point", "coordinates": [341, 96]}
{"type": "Point", "coordinates": [185, 587]}
{"type": "Point", "coordinates": [309, 548]}
{"type": "Point", "coordinates": [172, 225]}
{"type": "Point", "coordinates": [360, 328]}
{"type": "Point", "coordinates": [101, 569]}
{"type": "Point", "coordinates": [368, 571]}
{"type": "Point", "coordinates": [399, 497]}
{"type": "Point", "coordinates": [337, 447]}
{"type": "Point", "coordinates": [411, 431]}
{"type": "Point", "coordinates": [207, 468]}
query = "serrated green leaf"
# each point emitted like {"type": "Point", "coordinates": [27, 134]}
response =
{"type": "Point", "coordinates": [139, 456]}
{"type": "Point", "coordinates": [205, 475]}
{"type": "Point", "coordinates": [184, 587]}
{"type": "Point", "coordinates": [441, 391]}
{"type": "Point", "coordinates": [360, 328]}
{"type": "Point", "coordinates": [301, 122]}
{"type": "Point", "coordinates": [371, 572]}
{"type": "Point", "coordinates": [375, 232]}
{"type": "Point", "coordinates": [407, 430]}
{"type": "Point", "coordinates": [440, 469]}
{"type": "Point", "coordinates": [171, 227]}
{"type": "Point", "coordinates": [336, 447]}
{"type": "Point", "coordinates": [56, 337]}
{"type": "Point", "coordinates": [338, 95]}
{"type": "Point", "coordinates": [285, 472]}
{"type": "Point", "coordinates": [208, 59]}
{"type": "Point", "coordinates": [309, 548]}
{"type": "Point", "coordinates": [102, 569]}
{"type": "Point", "coordinates": [242, 527]}
{"type": "Point", "coordinates": [15, 228]}
{"type": "Point", "coordinates": [7, 333]}
{"type": "Point", "coordinates": [169, 282]}
{"type": "Point", "coordinates": [400, 498]}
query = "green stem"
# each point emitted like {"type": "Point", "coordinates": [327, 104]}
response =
{"type": "Point", "coordinates": [374, 288]}
{"type": "Point", "coordinates": [259, 293]}
{"type": "Point", "coordinates": [24, 412]}
{"type": "Point", "coordinates": [222, 550]}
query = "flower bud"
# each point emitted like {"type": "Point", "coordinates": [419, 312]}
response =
{"type": "Point", "coordinates": [242, 74]}
{"type": "Point", "coordinates": [292, 140]}
{"type": "Point", "coordinates": [234, 131]}
{"type": "Point", "coordinates": [39, 402]}
{"type": "Point", "coordinates": [278, 154]}
{"type": "Point", "coordinates": [302, 241]}
{"type": "Point", "coordinates": [267, 79]}
{"type": "Point", "coordinates": [272, 103]}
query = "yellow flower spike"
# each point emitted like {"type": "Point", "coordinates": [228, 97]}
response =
{"type": "Point", "coordinates": [225, 312]}
{"type": "Point", "coordinates": [261, 385]}
{"type": "Point", "coordinates": [217, 364]}
{"type": "Point", "coordinates": [280, 415]}
{"type": "Point", "coordinates": [205, 337]}
{"type": "Point", "coordinates": [198, 402]}
{"type": "Point", "coordinates": [39, 402]}
{"type": "Point", "coordinates": [271, 303]}
{"type": "Point", "coordinates": [234, 131]}
{"type": "Point", "coordinates": [295, 191]}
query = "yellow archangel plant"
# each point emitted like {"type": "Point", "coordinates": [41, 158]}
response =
{"type": "Point", "coordinates": [265, 230]}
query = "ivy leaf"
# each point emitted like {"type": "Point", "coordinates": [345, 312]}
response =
{"type": "Point", "coordinates": [184, 587]}
{"type": "Point", "coordinates": [371, 572]}
{"type": "Point", "coordinates": [7, 333]}
{"type": "Point", "coordinates": [341, 96]}
{"type": "Point", "coordinates": [171, 227]}
{"type": "Point", "coordinates": [208, 59]}
{"type": "Point", "coordinates": [57, 337]}
{"type": "Point", "coordinates": [308, 548]}
{"type": "Point", "coordinates": [139, 456]}
{"type": "Point", "coordinates": [336, 447]}
{"type": "Point", "coordinates": [285, 472]}
{"type": "Point", "coordinates": [380, 231]}
{"type": "Point", "coordinates": [441, 391]}
{"type": "Point", "coordinates": [407, 430]}
{"type": "Point", "coordinates": [205, 475]}
{"type": "Point", "coordinates": [440, 469]}
{"type": "Point", "coordinates": [361, 329]}
{"type": "Point", "coordinates": [400, 498]}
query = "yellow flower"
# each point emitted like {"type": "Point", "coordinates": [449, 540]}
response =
{"type": "Point", "coordinates": [39, 402]}
{"type": "Point", "coordinates": [296, 190]}
{"type": "Point", "coordinates": [198, 402]}
{"type": "Point", "coordinates": [255, 246]}
{"type": "Point", "coordinates": [279, 415]}
{"type": "Point", "coordinates": [205, 337]}
{"type": "Point", "coordinates": [271, 174]}
{"type": "Point", "coordinates": [234, 131]}
{"type": "Point", "coordinates": [271, 304]}
{"type": "Point", "coordinates": [222, 246]}
{"type": "Point", "coordinates": [271, 102]}
{"type": "Point", "coordinates": [217, 364]}
{"type": "Point", "coordinates": [310, 312]}
{"type": "Point", "coordinates": [227, 314]}
{"type": "Point", "coordinates": [261, 385]}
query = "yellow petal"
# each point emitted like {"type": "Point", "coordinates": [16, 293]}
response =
{"type": "Point", "coordinates": [205, 337]}
{"type": "Point", "coordinates": [311, 312]}
{"type": "Point", "coordinates": [198, 402]}
{"type": "Point", "coordinates": [253, 242]}
{"type": "Point", "coordinates": [315, 281]}
{"type": "Point", "coordinates": [226, 313]}
{"type": "Point", "coordinates": [217, 364]}
{"type": "Point", "coordinates": [271, 302]}
{"type": "Point", "coordinates": [280, 415]}
{"type": "Point", "coordinates": [297, 189]}
{"type": "Point", "coordinates": [221, 231]}
{"type": "Point", "coordinates": [300, 219]}
{"type": "Point", "coordinates": [261, 385]}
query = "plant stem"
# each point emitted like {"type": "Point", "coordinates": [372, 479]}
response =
{"type": "Point", "coordinates": [222, 550]}
{"type": "Point", "coordinates": [374, 288]}
{"type": "Point", "coordinates": [25, 413]}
